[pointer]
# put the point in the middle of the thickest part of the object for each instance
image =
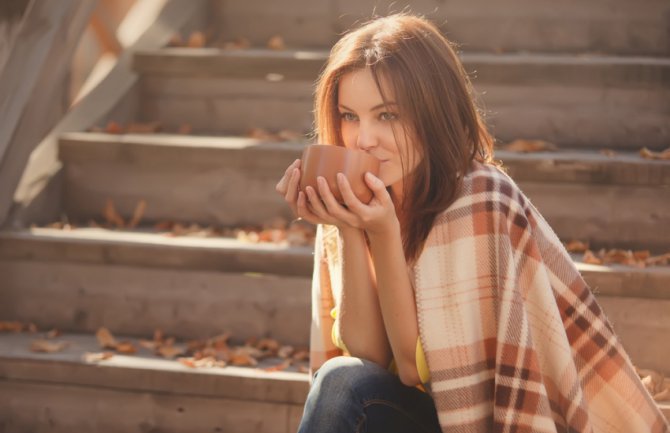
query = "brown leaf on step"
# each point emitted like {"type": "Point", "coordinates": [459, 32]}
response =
{"type": "Point", "coordinates": [98, 356]}
{"type": "Point", "coordinates": [663, 259]}
{"type": "Point", "coordinates": [279, 367]}
{"type": "Point", "coordinates": [608, 152]}
{"type": "Point", "coordinates": [303, 369]}
{"type": "Point", "coordinates": [143, 128]}
{"type": "Point", "coordinates": [277, 223]}
{"type": "Point", "coordinates": [105, 339]}
{"type": "Point", "coordinates": [243, 359]}
{"type": "Point", "coordinates": [623, 257]}
{"type": "Point", "coordinates": [46, 346]}
{"type": "Point", "coordinates": [149, 345]}
{"type": "Point", "coordinates": [650, 154]}
{"type": "Point", "coordinates": [176, 41]}
{"type": "Point", "coordinates": [240, 43]}
{"type": "Point", "coordinates": [138, 213]}
{"type": "Point", "coordinates": [11, 326]}
{"type": "Point", "coordinates": [268, 344]}
{"type": "Point", "coordinates": [32, 328]}
{"type": "Point", "coordinates": [170, 352]}
{"type": "Point", "coordinates": [53, 333]}
{"type": "Point", "coordinates": [185, 128]}
{"type": "Point", "coordinates": [261, 134]}
{"type": "Point", "coordinates": [206, 362]}
{"type": "Point", "coordinates": [219, 342]}
{"type": "Point", "coordinates": [575, 246]}
{"type": "Point", "coordinates": [111, 215]}
{"type": "Point", "coordinates": [197, 39]}
{"type": "Point", "coordinates": [113, 128]}
{"type": "Point", "coordinates": [285, 351]}
{"type": "Point", "coordinates": [126, 347]}
{"type": "Point", "coordinates": [591, 258]}
{"type": "Point", "coordinates": [276, 42]}
{"type": "Point", "coordinates": [163, 226]}
{"type": "Point", "coordinates": [524, 145]}
{"type": "Point", "coordinates": [301, 355]}
{"type": "Point", "coordinates": [288, 135]}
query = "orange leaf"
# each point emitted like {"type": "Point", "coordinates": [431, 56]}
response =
{"type": "Point", "coordinates": [650, 154]}
{"type": "Point", "coordinates": [111, 215]}
{"type": "Point", "coordinates": [97, 357]}
{"type": "Point", "coordinates": [138, 213]}
{"type": "Point", "coordinates": [524, 145]}
{"type": "Point", "coordinates": [105, 339]}
{"type": "Point", "coordinates": [591, 258]}
{"type": "Point", "coordinates": [268, 344]}
{"type": "Point", "coordinates": [276, 42]}
{"type": "Point", "coordinates": [575, 246]}
{"type": "Point", "coordinates": [169, 351]}
{"type": "Point", "coordinates": [301, 355]}
{"type": "Point", "coordinates": [46, 346]}
{"type": "Point", "coordinates": [197, 39]}
{"type": "Point", "coordinates": [11, 326]}
{"type": "Point", "coordinates": [114, 128]}
{"type": "Point", "coordinates": [243, 359]}
{"type": "Point", "coordinates": [126, 347]}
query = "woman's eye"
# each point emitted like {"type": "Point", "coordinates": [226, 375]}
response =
{"type": "Point", "coordinates": [388, 116]}
{"type": "Point", "coordinates": [347, 116]}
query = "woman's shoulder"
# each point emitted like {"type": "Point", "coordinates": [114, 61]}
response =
{"type": "Point", "coordinates": [485, 188]}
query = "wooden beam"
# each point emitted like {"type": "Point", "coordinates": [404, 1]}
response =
{"type": "Point", "coordinates": [33, 84]}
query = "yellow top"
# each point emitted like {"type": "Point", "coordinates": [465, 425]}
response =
{"type": "Point", "coordinates": [421, 365]}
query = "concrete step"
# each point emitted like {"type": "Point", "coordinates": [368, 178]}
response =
{"type": "Point", "coordinates": [192, 288]}
{"type": "Point", "coordinates": [134, 283]}
{"type": "Point", "coordinates": [614, 26]}
{"type": "Point", "coordinates": [611, 201]}
{"type": "Point", "coordinates": [63, 392]}
{"type": "Point", "coordinates": [571, 100]}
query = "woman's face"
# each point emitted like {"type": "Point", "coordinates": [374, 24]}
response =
{"type": "Point", "coordinates": [367, 124]}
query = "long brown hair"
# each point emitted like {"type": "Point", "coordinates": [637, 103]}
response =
{"type": "Point", "coordinates": [436, 106]}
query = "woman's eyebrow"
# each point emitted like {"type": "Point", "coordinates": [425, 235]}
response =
{"type": "Point", "coordinates": [376, 107]}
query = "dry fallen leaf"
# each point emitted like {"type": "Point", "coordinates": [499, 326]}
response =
{"type": "Point", "coordinates": [279, 367]}
{"type": "Point", "coordinates": [46, 346]}
{"type": "Point", "coordinates": [105, 339]}
{"type": "Point", "coordinates": [176, 41]}
{"type": "Point", "coordinates": [169, 351]}
{"type": "Point", "coordinates": [126, 347]}
{"type": "Point", "coordinates": [197, 39]}
{"type": "Point", "coordinates": [138, 213]}
{"type": "Point", "coordinates": [663, 259]}
{"type": "Point", "coordinates": [285, 351]}
{"type": "Point", "coordinates": [650, 154]}
{"type": "Point", "coordinates": [242, 359]}
{"type": "Point", "coordinates": [301, 355]}
{"type": "Point", "coordinates": [524, 145]}
{"type": "Point", "coordinates": [276, 42]}
{"type": "Point", "coordinates": [143, 127]}
{"type": "Point", "coordinates": [11, 326]}
{"type": "Point", "coordinates": [111, 215]}
{"type": "Point", "coordinates": [98, 356]}
{"type": "Point", "coordinates": [575, 246]}
{"type": "Point", "coordinates": [113, 128]}
{"type": "Point", "coordinates": [53, 333]}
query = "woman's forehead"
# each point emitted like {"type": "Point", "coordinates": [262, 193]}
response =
{"type": "Point", "coordinates": [359, 87]}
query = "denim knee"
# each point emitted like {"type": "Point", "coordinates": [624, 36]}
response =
{"type": "Point", "coordinates": [345, 376]}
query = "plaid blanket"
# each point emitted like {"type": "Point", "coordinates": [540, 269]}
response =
{"type": "Point", "coordinates": [514, 339]}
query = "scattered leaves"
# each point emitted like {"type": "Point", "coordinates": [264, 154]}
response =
{"type": "Point", "coordinates": [576, 246]}
{"type": "Point", "coordinates": [47, 346]}
{"type": "Point", "coordinates": [197, 39]}
{"type": "Point", "coordinates": [11, 327]}
{"type": "Point", "coordinates": [283, 135]}
{"type": "Point", "coordinates": [640, 259]}
{"type": "Point", "coordinates": [138, 213]}
{"type": "Point", "coordinates": [111, 215]}
{"type": "Point", "coordinates": [525, 145]}
{"type": "Point", "coordinates": [650, 154]}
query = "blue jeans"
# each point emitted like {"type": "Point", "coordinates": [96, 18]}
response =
{"type": "Point", "coordinates": [353, 395]}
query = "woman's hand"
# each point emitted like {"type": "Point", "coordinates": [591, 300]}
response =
{"type": "Point", "coordinates": [289, 187]}
{"type": "Point", "coordinates": [376, 217]}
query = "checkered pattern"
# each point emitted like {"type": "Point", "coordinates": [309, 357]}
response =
{"type": "Point", "coordinates": [514, 339]}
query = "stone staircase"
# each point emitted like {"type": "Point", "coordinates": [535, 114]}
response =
{"type": "Point", "coordinates": [582, 83]}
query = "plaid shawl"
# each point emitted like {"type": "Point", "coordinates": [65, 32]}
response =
{"type": "Point", "coordinates": [514, 339]}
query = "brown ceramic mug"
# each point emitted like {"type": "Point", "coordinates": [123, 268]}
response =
{"type": "Point", "coordinates": [328, 160]}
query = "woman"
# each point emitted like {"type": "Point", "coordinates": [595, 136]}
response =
{"type": "Point", "coordinates": [456, 306]}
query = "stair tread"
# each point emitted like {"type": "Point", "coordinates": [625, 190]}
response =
{"type": "Point", "coordinates": [145, 371]}
{"type": "Point", "coordinates": [574, 165]}
{"type": "Point", "coordinates": [650, 282]}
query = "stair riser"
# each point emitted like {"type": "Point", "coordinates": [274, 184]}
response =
{"type": "Point", "coordinates": [570, 105]}
{"type": "Point", "coordinates": [544, 26]}
{"type": "Point", "coordinates": [606, 215]}
{"type": "Point", "coordinates": [54, 408]}
{"type": "Point", "coordinates": [135, 301]}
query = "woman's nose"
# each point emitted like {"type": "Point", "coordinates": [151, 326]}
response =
{"type": "Point", "coordinates": [366, 139]}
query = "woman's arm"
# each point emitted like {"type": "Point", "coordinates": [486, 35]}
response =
{"type": "Point", "coordinates": [396, 298]}
{"type": "Point", "coordinates": [360, 320]}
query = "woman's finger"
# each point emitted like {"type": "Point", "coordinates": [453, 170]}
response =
{"type": "Point", "coordinates": [292, 187]}
{"type": "Point", "coordinates": [350, 199]}
{"type": "Point", "coordinates": [281, 186]}
{"type": "Point", "coordinates": [332, 206]}
{"type": "Point", "coordinates": [304, 211]}
{"type": "Point", "coordinates": [316, 204]}
{"type": "Point", "coordinates": [378, 188]}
